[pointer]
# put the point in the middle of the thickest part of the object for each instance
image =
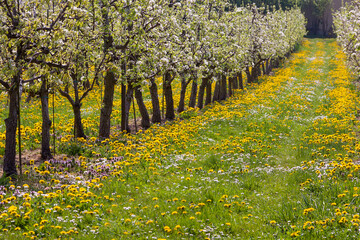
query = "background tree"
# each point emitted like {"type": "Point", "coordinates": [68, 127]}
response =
{"type": "Point", "coordinates": [347, 28]}
{"type": "Point", "coordinates": [82, 52]}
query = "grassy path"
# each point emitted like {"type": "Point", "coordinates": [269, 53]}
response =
{"type": "Point", "coordinates": [276, 161]}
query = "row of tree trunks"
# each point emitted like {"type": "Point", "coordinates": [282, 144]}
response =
{"type": "Point", "coordinates": [222, 90]}
{"type": "Point", "coordinates": [220, 93]}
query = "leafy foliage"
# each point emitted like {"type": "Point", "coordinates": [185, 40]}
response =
{"type": "Point", "coordinates": [347, 23]}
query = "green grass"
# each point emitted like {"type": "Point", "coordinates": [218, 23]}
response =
{"type": "Point", "coordinates": [255, 166]}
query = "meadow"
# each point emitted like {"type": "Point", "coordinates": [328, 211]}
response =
{"type": "Point", "coordinates": [278, 160]}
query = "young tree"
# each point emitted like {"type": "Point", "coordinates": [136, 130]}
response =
{"type": "Point", "coordinates": [80, 45]}
{"type": "Point", "coordinates": [23, 39]}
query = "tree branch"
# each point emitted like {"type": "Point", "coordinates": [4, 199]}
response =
{"type": "Point", "coordinates": [94, 80]}
{"type": "Point", "coordinates": [5, 84]}
{"type": "Point", "coordinates": [32, 79]}
{"type": "Point", "coordinates": [9, 10]}
{"type": "Point", "coordinates": [65, 94]}
{"type": "Point", "coordinates": [122, 47]}
{"type": "Point", "coordinates": [61, 14]}
{"type": "Point", "coordinates": [50, 64]}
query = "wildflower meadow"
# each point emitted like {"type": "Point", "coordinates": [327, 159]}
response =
{"type": "Point", "coordinates": [276, 158]}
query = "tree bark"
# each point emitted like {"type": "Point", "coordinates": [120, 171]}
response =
{"type": "Point", "coordinates": [223, 87]}
{"type": "Point", "coordinates": [275, 63]}
{"type": "Point", "coordinates": [145, 119]}
{"type": "Point", "coordinates": [235, 83]}
{"type": "Point", "coordinates": [11, 127]}
{"type": "Point", "coordinates": [208, 93]}
{"type": "Point", "coordinates": [124, 123]}
{"type": "Point", "coordinates": [193, 94]}
{"type": "Point", "coordinates": [256, 72]}
{"type": "Point", "coordinates": [248, 75]}
{"type": "Point", "coordinates": [230, 86]}
{"type": "Point", "coordinates": [108, 100]}
{"type": "Point", "coordinates": [241, 83]}
{"type": "Point", "coordinates": [184, 84]}
{"type": "Point", "coordinates": [254, 75]}
{"type": "Point", "coordinates": [123, 107]}
{"type": "Point", "coordinates": [202, 87]}
{"type": "Point", "coordinates": [46, 122]}
{"type": "Point", "coordinates": [216, 96]}
{"type": "Point", "coordinates": [128, 98]}
{"type": "Point", "coordinates": [30, 93]}
{"type": "Point", "coordinates": [170, 111]}
{"type": "Point", "coordinates": [156, 117]}
{"type": "Point", "coordinates": [263, 68]}
{"type": "Point", "coordinates": [79, 130]}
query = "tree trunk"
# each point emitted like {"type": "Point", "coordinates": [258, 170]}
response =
{"type": "Point", "coordinates": [263, 68]}
{"type": "Point", "coordinates": [248, 75]}
{"type": "Point", "coordinates": [275, 63]}
{"type": "Point", "coordinates": [223, 87]}
{"type": "Point", "coordinates": [86, 84]}
{"type": "Point", "coordinates": [170, 111]}
{"type": "Point", "coordinates": [241, 83]}
{"type": "Point", "coordinates": [255, 73]}
{"type": "Point", "coordinates": [208, 93]}
{"type": "Point", "coordinates": [11, 127]}
{"type": "Point", "coordinates": [203, 84]}
{"type": "Point", "coordinates": [79, 130]}
{"type": "Point", "coordinates": [123, 107]}
{"type": "Point", "coordinates": [193, 94]}
{"type": "Point", "coordinates": [267, 66]}
{"type": "Point", "coordinates": [216, 96]}
{"type": "Point", "coordinates": [106, 110]}
{"type": "Point", "coordinates": [235, 83]}
{"type": "Point", "coordinates": [30, 93]}
{"type": "Point", "coordinates": [46, 122]}
{"type": "Point", "coordinates": [230, 86]}
{"type": "Point", "coordinates": [184, 85]}
{"type": "Point", "coordinates": [156, 117]}
{"type": "Point", "coordinates": [145, 119]}
{"type": "Point", "coordinates": [128, 98]}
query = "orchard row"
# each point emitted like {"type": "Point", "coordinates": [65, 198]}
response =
{"type": "Point", "coordinates": [70, 47]}
{"type": "Point", "coordinates": [347, 24]}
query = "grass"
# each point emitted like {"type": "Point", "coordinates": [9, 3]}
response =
{"type": "Point", "coordinates": [276, 161]}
